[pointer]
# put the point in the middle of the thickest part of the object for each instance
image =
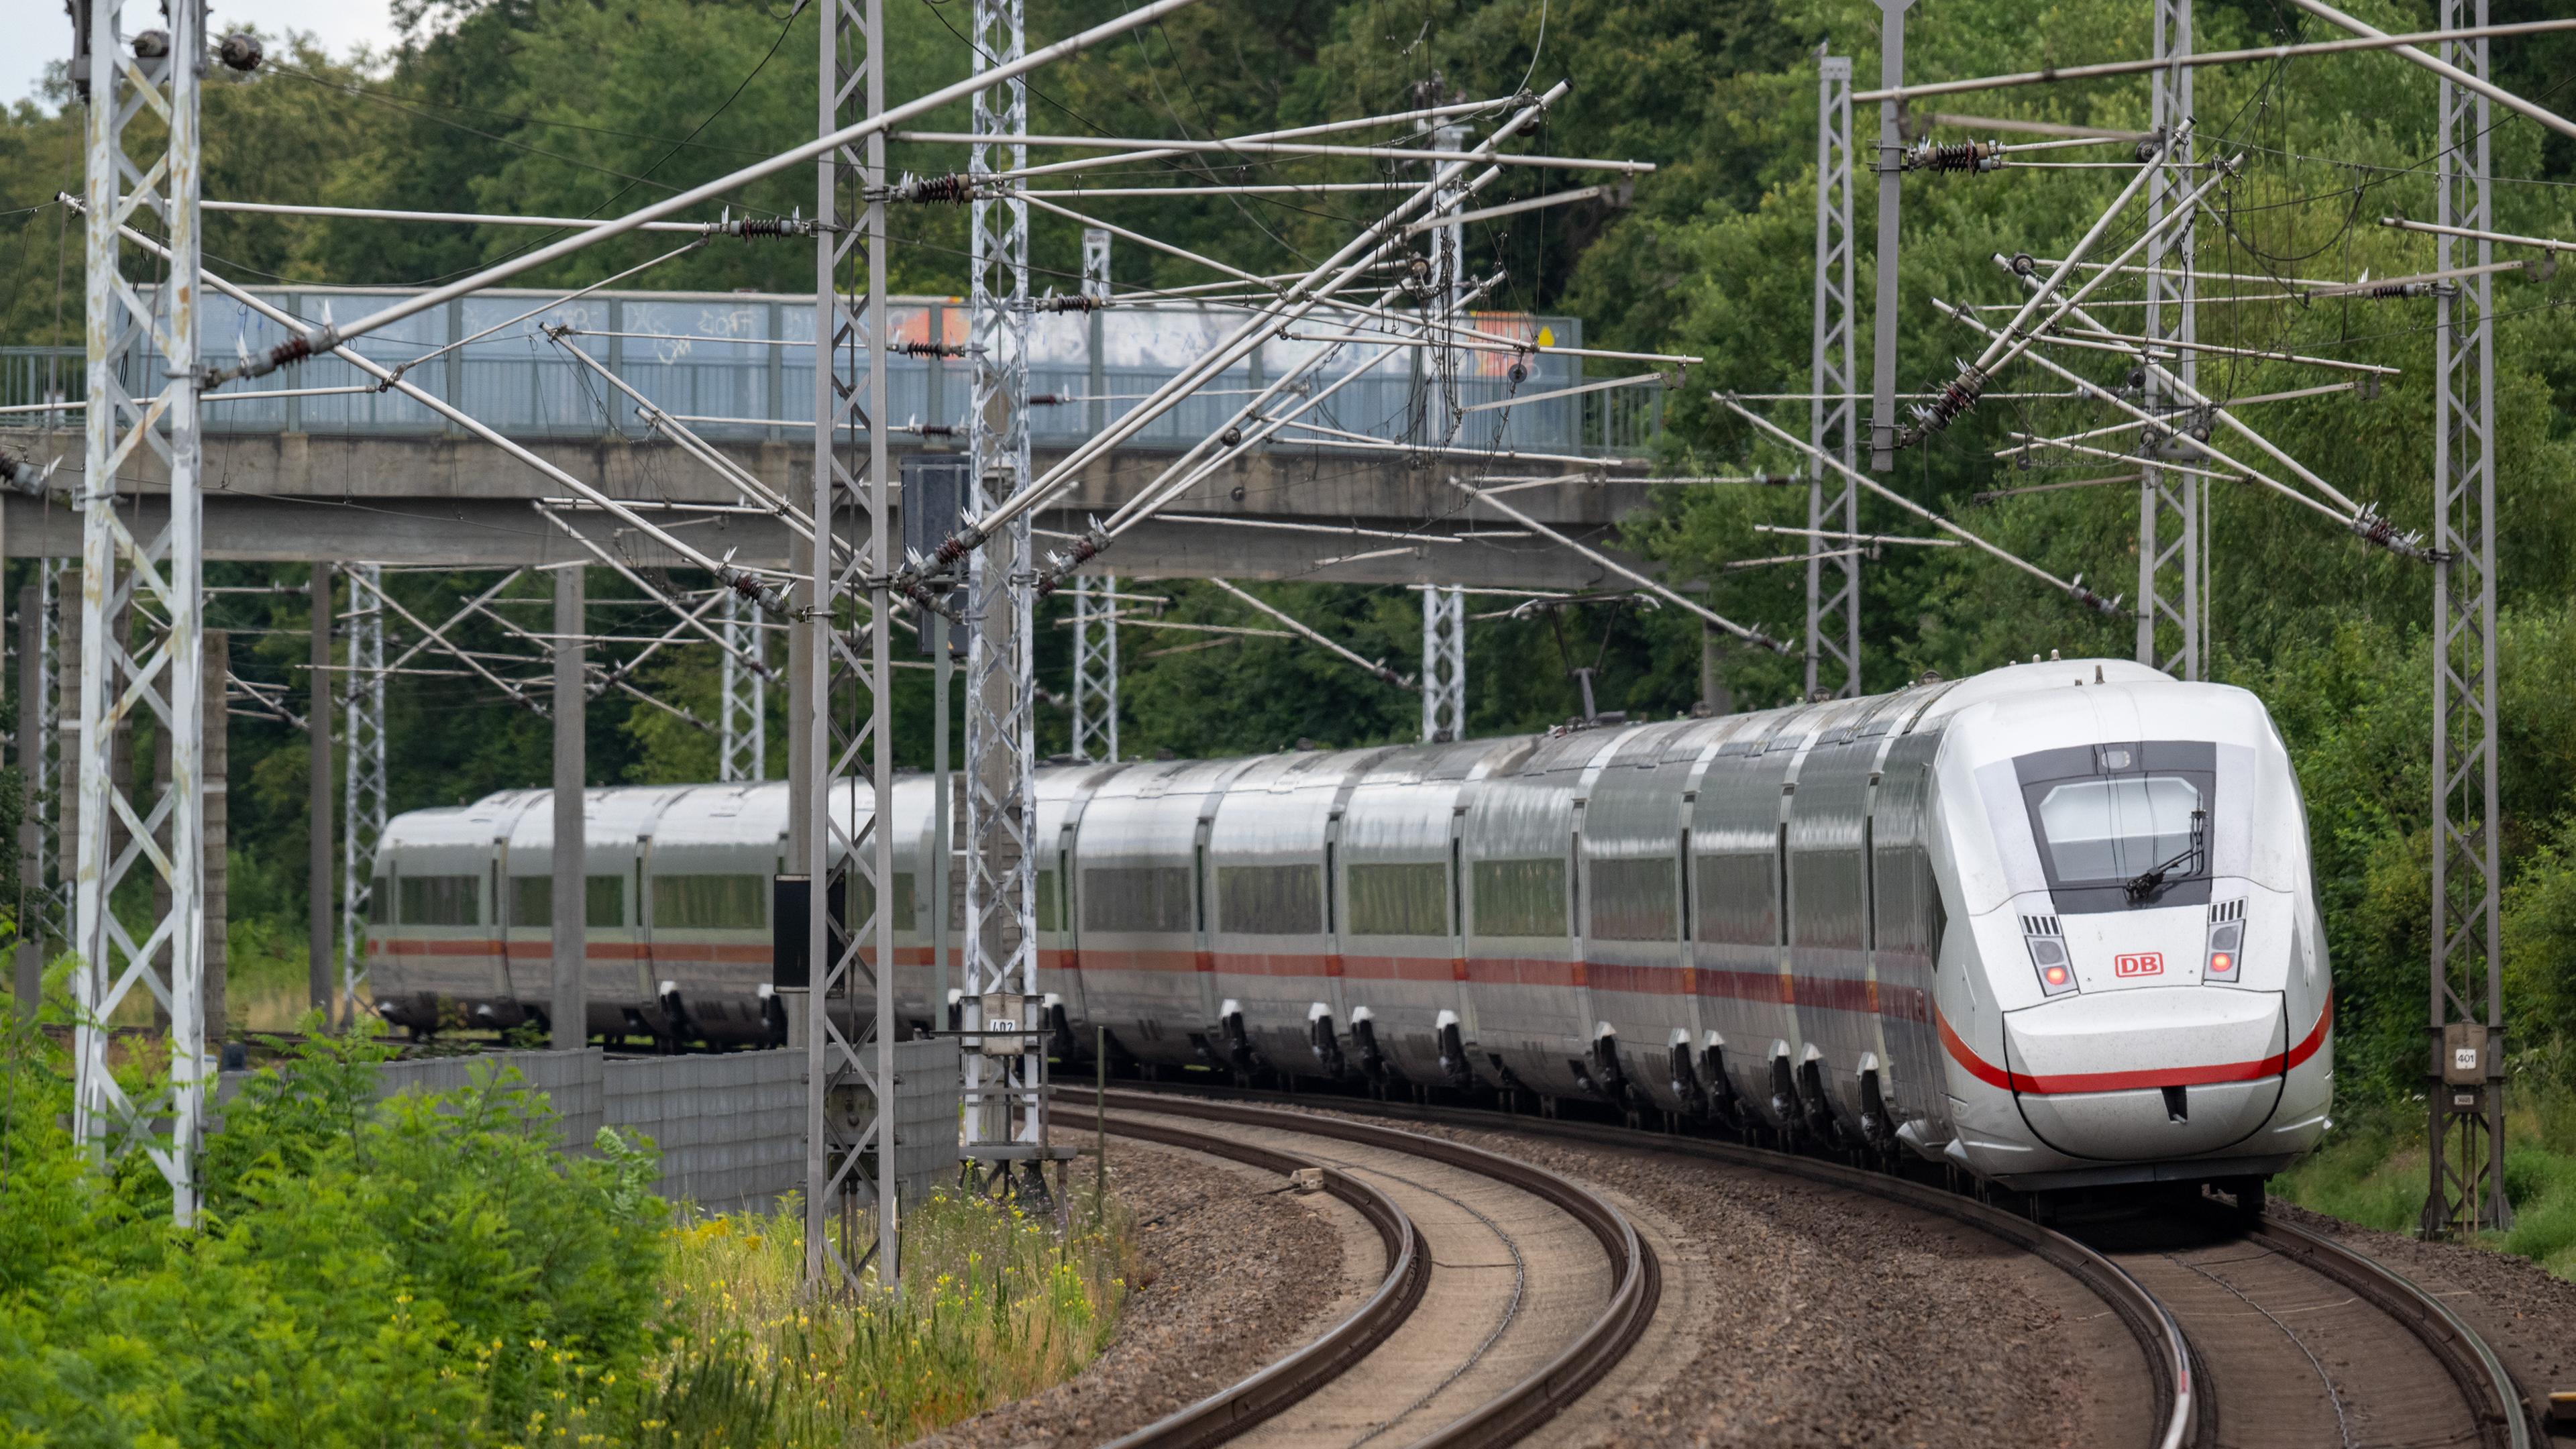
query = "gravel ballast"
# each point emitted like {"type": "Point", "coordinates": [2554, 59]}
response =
{"type": "Point", "coordinates": [1231, 1273]}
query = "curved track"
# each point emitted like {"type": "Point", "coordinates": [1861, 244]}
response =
{"type": "Point", "coordinates": [1524, 1321]}
{"type": "Point", "coordinates": [2257, 1335]}
{"type": "Point", "coordinates": [1239, 1407]}
{"type": "Point", "coordinates": [2159, 1337]}
{"type": "Point", "coordinates": [2303, 1342]}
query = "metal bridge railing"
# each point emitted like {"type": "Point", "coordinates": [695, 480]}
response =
{"type": "Point", "coordinates": [739, 366]}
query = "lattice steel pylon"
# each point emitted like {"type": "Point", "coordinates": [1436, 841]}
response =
{"type": "Point", "coordinates": [1833, 500]}
{"type": "Point", "coordinates": [1095, 668]}
{"type": "Point", "coordinates": [1444, 663]}
{"type": "Point", "coordinates": [2171, 563]}
{"type": "Point", "coordinates": [145, 93]}
{"type": "Point", "coordinates": [850, 1056]}
{"type": "Point", "coordinates": [44, 757]}
{"type": "Point", "coordinates": [1095, 610]}
{"type": "Point", "coordinates": [742, 741]}
{"type": "Point", "coordinates": [2466, 1093]}
{"type": "Point", "coordinates": [1005, 1095]}
{"type": "Point", "coordinates": [364, 797]}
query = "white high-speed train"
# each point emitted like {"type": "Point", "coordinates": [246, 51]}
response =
{"type": "Point", "coordinates": [2053, 924]}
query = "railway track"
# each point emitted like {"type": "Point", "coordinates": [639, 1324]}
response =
{"type": "Point", "coordinates": [2257, 1335]}
{"type": "Point", "coordinates": [1518, 1322]}
{"type": "Point", "coordinates": [2300, 1341]}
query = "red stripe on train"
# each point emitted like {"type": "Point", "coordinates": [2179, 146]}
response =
{"type": "Point", "coordinates": [2059, 1084]}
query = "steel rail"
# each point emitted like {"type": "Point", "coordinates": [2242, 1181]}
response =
{"type": "Point", "coordinates": [2159, 1337]}
{"type": "Point", "coordinates": [1513, 1414]}
{"type": "Point", "coordinates": [2504, 1415]}
{"type": "Point", "coordinates": [1241, 1405]}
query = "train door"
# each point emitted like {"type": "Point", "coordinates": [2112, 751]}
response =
{"type": "Point", "coordinates": [1906, 924]}
{"type": "Point", "coordinates": [1827, 854]}
{"type": "Point", "coordinates": [1202, 932]}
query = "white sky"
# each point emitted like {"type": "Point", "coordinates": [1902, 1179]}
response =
{"type": "Point", "coordinates": [36, 33]}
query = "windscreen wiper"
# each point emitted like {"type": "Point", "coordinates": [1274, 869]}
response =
{"type": "Point", "coordinates": [2147, 883]}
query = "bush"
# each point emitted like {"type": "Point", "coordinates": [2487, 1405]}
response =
{"type": "Point", "coordinates": [424, 1270]}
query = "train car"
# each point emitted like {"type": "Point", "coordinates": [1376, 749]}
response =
{"type": "Point", "coordinates": [2052, 925]}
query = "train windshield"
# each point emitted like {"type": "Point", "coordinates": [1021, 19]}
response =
{"type": "Point", "coordinates": [2122, 826]}
{"type": "Point", "coordinates": [2106, 830]}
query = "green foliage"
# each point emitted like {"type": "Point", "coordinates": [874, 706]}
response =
{"type": "Point", "coordinates": [2372, 1171]}
{"type": "Point", "coordinates": [425, 1270]}
{"type": "Point", "coordinates": [996, 1305]}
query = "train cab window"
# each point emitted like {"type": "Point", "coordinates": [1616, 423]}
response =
{"type": "Point", "coordinates": [441, 900]}
{"type": "Point", "coordinates": [1634, 899]}
{"type": "Point", "coordinates": [532, 902]}
{"type": "Point", "coordinates": [1520, 897]}
{"type": "Point", "coordinates": [2114, 829]}
{"type": "Point", "coordinates": [710, 902]}
{"type": "Point", "coordinates": [1270, 900]}
{"type": "Point", "coordinates": [1151, 898]}
{"type": "Point", "coordinates": [1738, 900]}
{"type": "Point", "coordinates": [2122, 825]}
{"type": "Point", "coordinates": [1410, 899]}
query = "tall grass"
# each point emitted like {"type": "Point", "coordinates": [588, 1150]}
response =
{"type": "Point", "coordinates": [995, 1305]}
{"type": "Point", "coordinates": [2373, 1171]}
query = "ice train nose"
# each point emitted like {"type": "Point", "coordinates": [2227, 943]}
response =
{"type": "Point", "coordinates": [2142, 1075]}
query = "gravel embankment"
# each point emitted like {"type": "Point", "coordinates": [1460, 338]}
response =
{"type": "Point", "coordinates": [1232, 1273]}
{"type": "Point", "coordinates": [2524, 1314]}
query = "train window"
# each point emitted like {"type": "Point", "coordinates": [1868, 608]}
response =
{"type": "Point", "coordinates": [1520, 897]}
{"type": "Point", "coordinates": [441, 900]}
{"type": "Point", "coordinates": [1136, 898]}
{"type": "Point", "coordinates": [710, 902]}
{"type": "Point", "coordinates": [862, 904]}
{"type": "Point", "coordinates": [603, 901]}
{"type": "Point", "coordinates": [1632, 899]}
{"type": "Point", "coordinates": [1270, 900]}
{"type": "Point", "coordinates": [2100, 830]}
{"type": "Point", "coordinates": [532, 901]}
{"type": "Point", "coordinates": [1399, 900]}
{"type": "Point", "coordinates": [1828, 892]}
{"type": "Point", "coordinates": [1049, 918]}
{"type": "Point", "coordinates": [380, 902]}
{"type": "Point", "coordinates": [1736, 901]}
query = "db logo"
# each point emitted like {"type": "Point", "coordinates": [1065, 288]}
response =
{"type": "Point", "coordinates": [2144, 963]}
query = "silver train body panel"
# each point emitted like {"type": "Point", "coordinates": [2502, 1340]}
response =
{"type": "Point", "coordinates": [2053, 924]}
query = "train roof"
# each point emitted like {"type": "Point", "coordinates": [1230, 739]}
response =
{"type": "Point", "coordinates": [747, 813]}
